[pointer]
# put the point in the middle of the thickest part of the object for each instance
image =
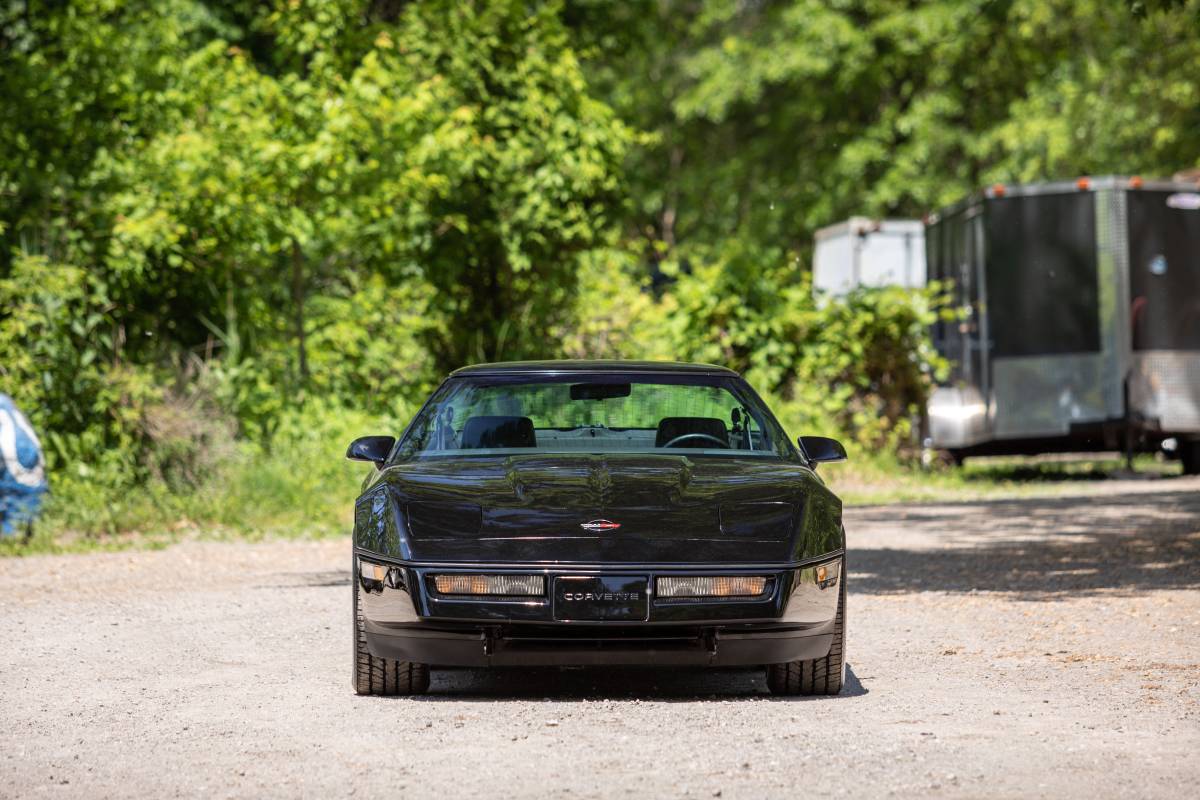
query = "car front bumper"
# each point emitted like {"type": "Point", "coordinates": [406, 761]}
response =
{"type": "Point", "coordinates": [500, 646]}
{"type": "Point", "coordinates": [404, 618]}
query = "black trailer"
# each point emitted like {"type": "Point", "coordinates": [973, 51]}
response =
{"type": "Point", "coordinates": [1081, 318]}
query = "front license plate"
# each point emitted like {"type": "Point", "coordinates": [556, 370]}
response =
{"type": "Point", "coordinates": [593, 598]}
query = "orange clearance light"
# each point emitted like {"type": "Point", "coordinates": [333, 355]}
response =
{"type": "Point", "coordinates": [822, 573]}
{"type": "Point", "coordinates": [998, 189]}
{"type": "Point", "coordinates": [1083, 183]}
{"type": "Point", "coordinates": [1135, 182]}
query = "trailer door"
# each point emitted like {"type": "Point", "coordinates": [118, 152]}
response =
{"type": "Point", "coordinates": [1043, 315]}
{"type": "Point", "coordinates": [1164, 313]}
{"type": "Point", "coordinates": [949, 260]}
{"type": "Point", "coordinates": [1164, 264]}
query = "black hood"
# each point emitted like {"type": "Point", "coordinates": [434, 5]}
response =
{"type": "Point", "coordinates": [669, 509]}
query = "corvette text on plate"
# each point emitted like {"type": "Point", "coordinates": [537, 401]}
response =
{"type": "Point", "coordinates": [615, 596]}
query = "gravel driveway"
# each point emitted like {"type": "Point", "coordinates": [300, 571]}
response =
{"type": "Point", "coordinates": [1023, 648]}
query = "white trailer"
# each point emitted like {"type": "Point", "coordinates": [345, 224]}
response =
{"type": "Point", "coordinates": [1082, 326]}
{"type": "Point", "coordinates": [866, 252]}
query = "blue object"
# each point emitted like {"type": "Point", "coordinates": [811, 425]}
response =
{"type": "Point", "coordinates": [22, 470]}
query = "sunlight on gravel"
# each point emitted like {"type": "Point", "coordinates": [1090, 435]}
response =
{"type": "Point", "coordinates": [1038, 647]}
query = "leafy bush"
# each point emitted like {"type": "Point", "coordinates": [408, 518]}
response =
{"type": "Point", "coordinates": [61, 360]}
{"type": "Point", "coordinates": [370, 347]}
{"type": "Point", "coordinates": [615, 314]}
{"type": "Point", "coordinates": [862, 365]}
{"type": "Point", "coordinates": [868, 364]}
{"type": "Point", "coordinates": [301, 484]}
{"type": "Point", "coordinates": [239, 231]}
{"type": "Point", "coordinates": [744, 308]}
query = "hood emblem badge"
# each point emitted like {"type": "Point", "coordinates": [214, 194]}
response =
{"type": "Point", "coordinates": [600, 525]}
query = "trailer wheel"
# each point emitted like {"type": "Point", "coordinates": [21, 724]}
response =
{"type": "Point", "coordinates": [955, 457]}
{"type": "Point", "coordinates": [1189, 454]}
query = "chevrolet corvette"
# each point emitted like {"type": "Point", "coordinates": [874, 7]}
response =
{"type": "Point", "coordinates": [575, 513]}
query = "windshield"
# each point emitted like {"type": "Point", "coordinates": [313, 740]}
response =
{"type": "Point", "coordinates": [694, 415]}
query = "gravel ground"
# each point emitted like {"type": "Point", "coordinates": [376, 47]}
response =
{"type": "Point", "coordinates": [1022, 648]}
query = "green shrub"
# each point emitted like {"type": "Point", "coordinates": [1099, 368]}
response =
{"type": "Point", "coordinates": [615, 315]}
{"type": "Point", "coordinates": [61, 358]}
{"type": "Point", "coordinates": [868, 364]}
{"type": "Point", "coordinates": [862, 366]}
{"type": "Point", "coordinates": [299, 485]}
{"type": "Point", "coordinates": [369, 347]}
{"type": "Point", "coordinates": [745, 308]}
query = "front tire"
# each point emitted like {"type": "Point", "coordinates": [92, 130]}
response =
{"type": "Point", "coordinates": [816, 676]}
{"type": "Point", "coordinates": [382, 676]}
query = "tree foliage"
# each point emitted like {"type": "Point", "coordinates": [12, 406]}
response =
{"type": "Point", "coordinates": [776, 118]}
{"type": "Point", "coordinates": [239, 208]}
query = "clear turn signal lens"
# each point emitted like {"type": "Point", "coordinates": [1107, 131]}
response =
{"type": "Point", "coordinates": [372, 572]}
{"type": "Point", "coordinates": [507, 585]}
{"type": "Point", "coordinates": [824, 575]}
{"type": "Point", "coordinates": [712, 586]}
{"type": "Point", "coordinates": [376, 576]}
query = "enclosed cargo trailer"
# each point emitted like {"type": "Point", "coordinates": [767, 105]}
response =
{"type": "Point", "coordinates": [1080, 325]}
{"type": "Point", "coordinates": [865, 252]}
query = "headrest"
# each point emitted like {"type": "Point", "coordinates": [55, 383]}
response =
{"type": "Point", "coordinates": [496, 432]}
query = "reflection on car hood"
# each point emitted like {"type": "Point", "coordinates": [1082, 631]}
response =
{"type": "Point", "coordinates": [669, 508]}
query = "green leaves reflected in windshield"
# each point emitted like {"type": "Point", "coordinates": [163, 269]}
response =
{"type": "Point", "coordinates": [717, 417]}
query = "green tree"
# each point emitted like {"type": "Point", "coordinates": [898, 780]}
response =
{"type": "Point", "coordinates": [462, 149]}
{"type": "Point", "coordinates": [532, 168]}
{"type": "Point", "coordinates": [74, 81]}
{"type": "Point", "coordinates": [776, 118]}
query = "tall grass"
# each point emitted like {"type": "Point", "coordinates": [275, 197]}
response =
{"type": "Point", "coordinates": [299, 485]}
{"type": "Point", "coordinates": [302, 486]}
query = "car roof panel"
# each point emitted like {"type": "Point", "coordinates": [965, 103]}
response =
{"type": "Point", "coordinates": [559, 367]}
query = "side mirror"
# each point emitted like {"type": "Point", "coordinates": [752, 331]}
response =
{"type": "Point", "coordinates": [371, 448]}
{"type": "Point", "coordinates": [820, 449]}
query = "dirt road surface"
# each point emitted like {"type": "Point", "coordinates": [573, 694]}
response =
{"type": "Point", "coordinates": [1024, 648]}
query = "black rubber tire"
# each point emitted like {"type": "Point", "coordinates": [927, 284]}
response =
{"type": "Point", "coordinates": [818, 675]}
{"type": "Point", "coordinates": [1189, 454]}
{"type": "Point", "coordinates": [382, 676]}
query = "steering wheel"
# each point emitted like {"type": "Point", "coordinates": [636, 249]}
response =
{"type": "Point", "coordinates": [681, 437]}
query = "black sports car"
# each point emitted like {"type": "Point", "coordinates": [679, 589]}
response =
{"type": "Point", "coordinates": [597, 512]}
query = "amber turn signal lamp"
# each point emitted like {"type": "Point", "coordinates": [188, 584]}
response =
{"type": "Point", "coordinates": [505, 585]}
{"type": "Point", "coordinates": [712, 586]}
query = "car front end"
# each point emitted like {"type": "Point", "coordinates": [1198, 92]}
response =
{"type": "Point", "coordinates": [596, 514]}
{"type": "Point", "coordinates": [629, 614]}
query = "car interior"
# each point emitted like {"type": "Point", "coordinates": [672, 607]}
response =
{"type": "Point", "coordinates": [500, 432]}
